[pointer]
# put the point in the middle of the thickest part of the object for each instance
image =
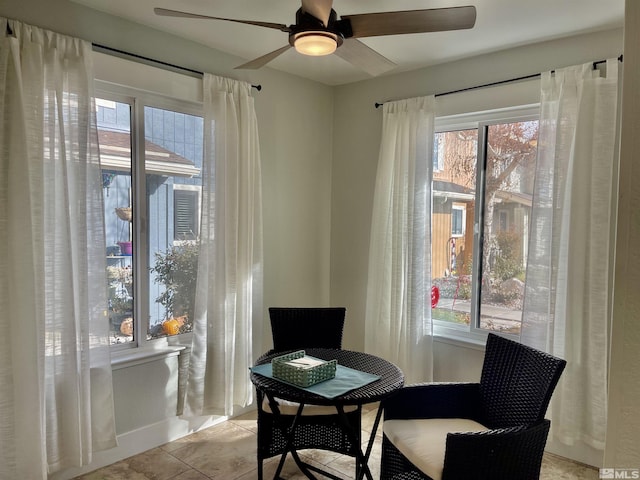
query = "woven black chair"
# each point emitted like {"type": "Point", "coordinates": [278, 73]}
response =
{"type": "Point", "coordinates": [319, 426]}
{"type": "Point", "coordinates": [299, 328]}
{"type": "Point", "coordinates": [492, 430]}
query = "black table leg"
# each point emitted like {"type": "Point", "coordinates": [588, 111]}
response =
{"type": "Point", "coordinates": [290, 432]}
{"type": "Point", "coordinates": [374, 430]}
{"type": "Point", "coordinates": [305, 467]}
{"type": "Point", "coordinates": [362, 460]}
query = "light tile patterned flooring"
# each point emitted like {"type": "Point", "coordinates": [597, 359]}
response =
{"type": "Point", "coordinates": [228, 452]}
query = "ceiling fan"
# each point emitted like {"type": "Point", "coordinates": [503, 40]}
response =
{"type": "Point", "coordinates": [318, 31]}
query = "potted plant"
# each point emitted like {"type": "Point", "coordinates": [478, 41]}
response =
{"type": "Point", "coordinates": [177, 270]}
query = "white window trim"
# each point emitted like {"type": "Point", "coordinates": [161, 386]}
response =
{"type": "Point", "coordinates": [125, 358]}
{"type": "Point", "coordinates": [471, 120]}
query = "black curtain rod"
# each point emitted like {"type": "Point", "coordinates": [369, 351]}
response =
{"type": "Point", "coordinates": [97, 47]}
{"type": "Point", "coordinates": [493, 84]}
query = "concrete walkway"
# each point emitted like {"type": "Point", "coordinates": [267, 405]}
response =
{"type": "Point", "coordinates": [493, 317]}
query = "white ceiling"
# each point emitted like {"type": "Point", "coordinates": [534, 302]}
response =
{"type": "Point", "coordinates": [500, 24]}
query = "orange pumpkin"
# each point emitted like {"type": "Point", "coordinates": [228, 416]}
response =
{"type": "Point", "coordinates": [126, 327]}
{"type": "Point", "coordinates": [171, 326]}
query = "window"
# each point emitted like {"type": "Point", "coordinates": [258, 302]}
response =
{"type": "Point", "coordinates": [186, 209]}
{"type": "Point", "coordinates": [458, 215]}
{"type": "Point", "coordinates": [151, 152]}
{"type": "Point", "coordinates": [480, 213]}
{"type": "Point", "coordinates": [503, 220]}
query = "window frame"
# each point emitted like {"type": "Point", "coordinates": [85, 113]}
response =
{"type": "Point", "coordinates": [481, 121]}
{"type": "Point", "coordinates": [138, 100]}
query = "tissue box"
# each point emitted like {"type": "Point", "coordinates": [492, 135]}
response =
{"type": "Point", "coordinates": [301, 370]}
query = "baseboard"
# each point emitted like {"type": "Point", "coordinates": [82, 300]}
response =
{"type": "Point", "coordinates": [580, 453]}
{"type": "Point", "coordinates": [141, 440]}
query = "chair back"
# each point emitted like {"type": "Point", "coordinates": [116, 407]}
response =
{"type": "Point", "coordinates": [306, 327]}
{"type": "Point", "coordinates": [516, 383]}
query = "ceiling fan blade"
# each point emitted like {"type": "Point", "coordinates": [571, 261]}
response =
{"type": "Point", "coordinates": [321, 9]}
{"type": "Point", "coordinates": [263, 60]}
{"type": "Point", "coordinates": [175, 13]}
{"type": "Point", "coordinates": [364, 57]}
{"type": "Point", "coordinates": [412, 21]}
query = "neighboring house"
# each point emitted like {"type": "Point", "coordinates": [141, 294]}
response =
{"type": "Point", "coordinates": [454, 201]}
{"type": "Point", "coordinates": [453, 204]}
{"type": "Point", "coordinates": [452, 228]}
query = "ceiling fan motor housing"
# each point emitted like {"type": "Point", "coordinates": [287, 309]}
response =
{"type": "Point", "coordinates": [306, 23]}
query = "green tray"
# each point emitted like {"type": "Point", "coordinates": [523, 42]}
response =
{"type": "Point", "coordinates": [302, 376]}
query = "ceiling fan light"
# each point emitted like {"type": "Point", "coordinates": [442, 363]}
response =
{"type": "Point", "coordinates": [316, 43]}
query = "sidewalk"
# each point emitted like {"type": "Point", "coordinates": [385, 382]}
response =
{"type": "Point", "coordinates": [493, 317]}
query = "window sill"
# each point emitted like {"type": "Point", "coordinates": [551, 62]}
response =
{"type": "Point", "coordinates": [139, 356]}
{"type": "Point", "coordinates": [459, 339]}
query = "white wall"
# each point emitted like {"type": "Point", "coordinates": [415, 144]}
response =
{"type": "Point", "coordinates": [146, 393]}
{"type": "Point", "coordinates": [357, 126]}
{"type": "Point", "coordinates": [623, 428]}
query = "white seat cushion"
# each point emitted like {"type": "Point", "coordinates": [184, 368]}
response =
{"type": "Point", "coordinates": [423, 441]}
{"type": "Point", "coordinates": [291, 408]}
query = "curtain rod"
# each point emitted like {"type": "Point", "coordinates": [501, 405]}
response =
{"type": "Point", "coordinates": [500, 82]}
{"type": "Point", "coordinates": [104, 49]}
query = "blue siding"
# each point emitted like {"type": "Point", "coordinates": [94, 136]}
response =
{"type": "Point", "coordinates": [160, 205]}
{"type": "Point", "coordinates": [117, 195]}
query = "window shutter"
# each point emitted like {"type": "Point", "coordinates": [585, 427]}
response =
{"type": "Point", "coordinates": [185, 214]}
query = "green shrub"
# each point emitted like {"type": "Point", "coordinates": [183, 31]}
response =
{"type": "Point", "coordinates": [177, 270]}
{"type": "Point", "coordinates": [508, 264]}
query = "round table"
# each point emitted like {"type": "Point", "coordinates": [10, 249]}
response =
{"type": "Point", "coordinates": [391, 379]}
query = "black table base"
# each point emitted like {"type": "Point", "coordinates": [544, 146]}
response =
{"type": "Point", "coordinates": [391, 379]}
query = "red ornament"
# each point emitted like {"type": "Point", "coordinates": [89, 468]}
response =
{"type": "Point", "coordinates": [435, 296]}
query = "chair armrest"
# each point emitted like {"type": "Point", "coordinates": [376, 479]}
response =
{"type": "Point", "coordinates": [502, 454]}
{"type": "Point", "coordinates": [434, 400]}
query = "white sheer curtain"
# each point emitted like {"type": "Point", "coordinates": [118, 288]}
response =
{"type": "Point", "coordinates": [229, 292]}
{"type": "Point", "coordinates": [56, 402]}
{"type": "Point", "coordinates": [567, 297]}
{"type": "Point", "coordinates": [398, 311]}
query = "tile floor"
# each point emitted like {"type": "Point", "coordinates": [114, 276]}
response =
{"type": "Point", "coordinates": [227, 452]}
